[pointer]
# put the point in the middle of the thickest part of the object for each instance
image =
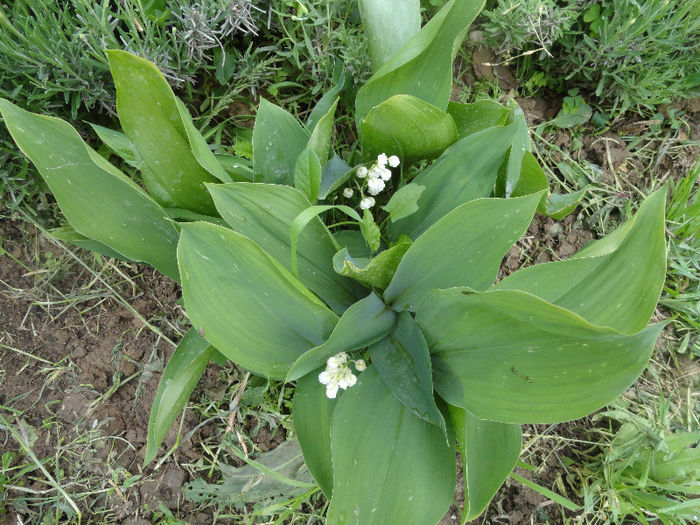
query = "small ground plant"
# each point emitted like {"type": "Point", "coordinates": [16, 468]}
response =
{"type": "Point", "coordinates": [631, 54]}
{"type": "Point", "coordinates": [386, 314]}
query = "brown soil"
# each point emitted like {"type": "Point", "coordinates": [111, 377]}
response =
{"type": "Point", "coordinates": [82, 374]}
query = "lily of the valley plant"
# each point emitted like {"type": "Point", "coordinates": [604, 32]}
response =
{"type": "Point", "coordinates": [403, 349]}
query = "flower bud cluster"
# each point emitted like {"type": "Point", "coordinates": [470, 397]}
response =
{"type": "Point", "coordinates": [338, 374]}
{"type": "Point", "coordinates": [375, 178]}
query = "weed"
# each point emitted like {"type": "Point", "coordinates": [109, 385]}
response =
{"type": "Point", "coordinates": [632, 55]}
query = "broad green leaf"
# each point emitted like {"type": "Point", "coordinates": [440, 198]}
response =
{"type": "Point", "coordinates": [98, 200]}
{"type": "Point", "coordinates": [404, 202]}
{"type": "Point", "coordinates": [354, 242]}
{"type": "Point", "coordinates": [149, 115]}
{"type": "Point", "coordinates": [320, 140]}
{"type": "Point", "coordinates": [532, 179]}
{"type": "Point", "coordinates": [389, 24]}
{"type": "Point", "coordinates": [179, 378]}
{"type": "Point", "coordinates": [616, 282]}
{"type": "Point", "coordinates": [375, 272]}
{"type": "Point", "coordinates": [305, 217]}
{"type": "Point", "coordinates": [561, 205]}
{"type": "Point", "coordinates": [265, 214]}
{"type": "Point", "coordinates": [489, 452]}
{"type": "Point", "coordinates": [311, 414]}
{"type": "Point", "coordinates": [328, 99]}
{"type": "Point", "coordinates": [402, 360]}
{"type": "Point", "coordinates": [200, 148]}
{"type": "Point", "coordinates": [512, 357]}
{"type": "Point", "coordinates": [370, 231]}
{"type": "Point", "coordinates": [335, 174]}
{"type": "Point", "coordinates": [272, 478]}
{"type": "Point", "coordinates": [364, 323]}
{"type": "Point", "coordinates": [278, 140]}
{"type": "Point", "coordinates": [247, 305]}
{"type": "Point", "coordinates": [575, 116]}
{"type": "Point", "coordinates": [307, 174]}
{"type": "Point", "coordinates": [464, 248]}
{"type": "Point", "coordinates": [408, 127]}
{"type": "Point", "coordinates": [119, 143]}
{"type": "Point", "coordinates": [389, 466]}
{"type": "Point", "coordinates": [68, 234]}
{"type": "Point", "coordinates": [519, 147]}
{"type": "Point", "coordinates": [467, 170]}
{"type": "Point", "coordinates": [237, 168]}
{"type": "Point", "coordinates": [423, 66]}
{"type": "Point", "coordinates": [470, 118]}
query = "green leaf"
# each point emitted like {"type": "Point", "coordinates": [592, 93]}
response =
{"type": "Point", "coordinates": [305, 217]}
{"type": "Point", "coordinates": [150, 116]}
{"type": "Point", "coordinates": [354, 242]}
{"type": "Point", "coordinates": [335, 174]}
{"type": "Point", "coordinates": [265, 213]}
{"type": "Point", "coordinates": [520, 145]}
{"type": "Point", "coordinates": [509, 356]}
{"type": "Point", "coordinates": [404, 202]}
{"type": "Point", "coordinates": [532, 179]}
{"type": "Point", "coordinates": [320, 140]}
{"type": "Point", "coordinates": [389, 24]}
{"type": "Point", "coordinates": [402, 360]}
{"type": "Point", "coordinates": [489, 452]}
{"type": "Point", "coordinates": [278, 140]}
{"type": "Point", "coordinates": [423, 66]}
{"type": "Point", "coordinates": [68, 234]}
{"type": "Point", "coordinates": [370, 231]}
{"type": "Point", "coordinates": [408, 127]}
{"type": "Point", "coordinates": [307, 174]}
{"type": "Point", "coordinates": [237, 168]}
{"type": "Point", "coordinates": [98, 200]}
{"type": "Point", "coordinates": [179, 378]}
{"type": "Point", "coordinates": [389, 466]}
{"type": "Point", "coordinates": [328, 99]}
{"type": "Point", "coordinates": [311, 414]}
{"type": "Point", "coordinates": [574, 116]}
{"type": "Point", "coordinates": [248, 306]}
{"type": "Point", "coordinates": [464, 248]}
{"type": "Point", "coordinates": [119, 143]}
{"type": "Point", "coordinates": [616, 281]}
{"type": "Point", "coordinates": [470, 118]}
{"type": "Point", "coordinates": [364, 323]}
{"type": "Point", "coordinates": [559, 206]}
{"type": "Point", "coordinates": [271, 480]}
{"type": "Point", "coordinates": [375, 272]}
{"type": "Point", "coordinates": [467, 170]}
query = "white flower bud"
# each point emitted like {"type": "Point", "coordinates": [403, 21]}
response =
{"type": "Point", "coordinates": [325, 377]}
{"type": "Point", "coordinates": [394, 161]}
{"type": "Point", "coordinates": [360, 365]}
{"type": "Point", "coordinates": [366, 203]}
{"type": "Point", "coordinates": [382, 160]}
{"type": "Point", "coordinates": [348, 192]}
{"type": "Point", "coordinates": [386, 174]}
{"type": "Point", "coordinates": [332, 390]}
{"type": "Point", "coordinates": [375, 172]}
{"type": "Point", "coordinates": [361, 172]}
{"type": "Point", "coordinates": [374, 186]}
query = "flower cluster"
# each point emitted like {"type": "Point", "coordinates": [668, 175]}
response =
{"type": "Point", "coordinates": [376, 178]}
{"type": "Point", "coordinates": [338, 374]}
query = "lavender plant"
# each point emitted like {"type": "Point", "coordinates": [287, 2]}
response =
{"type": "Point", "coordinates": [403, 349]}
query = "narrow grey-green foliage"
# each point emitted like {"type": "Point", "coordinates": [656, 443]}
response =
{"type": "Point", "coordinates": [631, 54]}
